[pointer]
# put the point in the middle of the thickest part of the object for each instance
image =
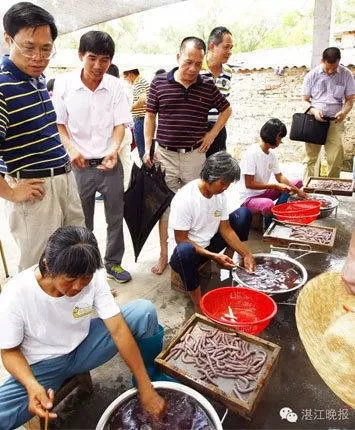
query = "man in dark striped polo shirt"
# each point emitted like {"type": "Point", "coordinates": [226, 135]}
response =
{"type": "Point", "coordinates": [182, 99]}
{"type": "Point", "coordinates": [39, 172]}
{"type": "Point", "coordinates": [139, 104]}
{"type": "Point", "coordinates": [219, 49]}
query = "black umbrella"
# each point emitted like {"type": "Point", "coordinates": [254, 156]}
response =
{"type": "Point", "coordinates": [145, 200]}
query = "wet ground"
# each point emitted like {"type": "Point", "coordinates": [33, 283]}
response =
{"type": "Point", "coordinates": [294, 383]}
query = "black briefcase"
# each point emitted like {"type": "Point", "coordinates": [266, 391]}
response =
{"type": "Point", "coordinates": [305, 128]}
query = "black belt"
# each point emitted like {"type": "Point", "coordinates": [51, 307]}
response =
{"type": "Point", "coordinates": [43, 173]}
{"type": "Point", "coordinates": [180, 150]}
{"type": "Point", "coordinates": [94, 162]}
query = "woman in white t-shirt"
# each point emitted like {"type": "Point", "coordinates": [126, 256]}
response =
{"type": "Point", "coordinates": [257, 165]}
{"type": "Point", "coordinates": [48, 333]}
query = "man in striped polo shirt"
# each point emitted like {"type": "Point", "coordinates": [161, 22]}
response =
{"type": "Point", "coordinates": [41, 188]}
{"type": "Point", "coordinates": [140, 94]}
{"type": "Point", "coordinates": [214, 66]}
{"type": "Point", "coordinates": [182, 99]}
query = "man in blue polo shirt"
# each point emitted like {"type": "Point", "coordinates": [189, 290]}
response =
{"type": "Point", "coordinates": [182, 99]}
{"type": "Point", "coordinates": [41, 188]}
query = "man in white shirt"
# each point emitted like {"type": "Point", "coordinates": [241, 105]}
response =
{"type": "Point", "coordinates": [257, 164]}
{"type": "Point", "coordinates": [48, 333]}
{"type": "Point", "coordinates": [92, 110]}
{"type": "Point", "coordinates": [200, 226]}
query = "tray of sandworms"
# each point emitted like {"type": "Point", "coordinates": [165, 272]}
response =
{"type": "Point", "coordinates": [335, 186]}
{"type": "Point", "coordinates": [319, 238]}
{"type": "Point", "coordinates": [226, 365]}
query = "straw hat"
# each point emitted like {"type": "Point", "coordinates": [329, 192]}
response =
{"type": "Point", "coordinates": [325, 315]}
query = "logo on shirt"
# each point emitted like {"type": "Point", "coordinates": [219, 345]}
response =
{"type": "Point", "coordinates": [270, 166]}
{"type": "Point", "coordinates": [217, 213]}
{"type": "Point", "coordinates": [224, 82]}
{"type": "Point", "coordinates": [79, 312]}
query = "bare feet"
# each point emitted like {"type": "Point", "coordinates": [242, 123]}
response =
{"type": "Point", "coordinates": [159, 268]}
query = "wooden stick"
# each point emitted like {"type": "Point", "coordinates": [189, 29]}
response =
{"type": "Point", "coordinates": [46, 420]}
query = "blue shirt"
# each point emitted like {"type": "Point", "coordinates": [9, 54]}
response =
{"type": "Point", "coordinates": [29, 137]}
{"type": "Point", "coordinates": [328, 92]}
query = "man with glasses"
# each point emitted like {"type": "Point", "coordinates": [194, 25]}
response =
{"type": "Point", "coordinates": [40, 186]}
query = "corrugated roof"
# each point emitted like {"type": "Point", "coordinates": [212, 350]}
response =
{"type": "Point", "coordinates": [291, 56]}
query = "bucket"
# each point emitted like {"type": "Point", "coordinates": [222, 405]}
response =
{"type": "Point", "coordinates": [123, 398]}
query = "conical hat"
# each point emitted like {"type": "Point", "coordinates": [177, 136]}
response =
{"type": "Point", "coordinates": [325, 315]}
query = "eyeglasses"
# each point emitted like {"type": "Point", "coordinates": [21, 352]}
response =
{"type": "Point", "coordinates": [45, 52]}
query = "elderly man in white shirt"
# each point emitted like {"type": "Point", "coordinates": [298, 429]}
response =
{"type": "Point", "coordinates": [92, 110]}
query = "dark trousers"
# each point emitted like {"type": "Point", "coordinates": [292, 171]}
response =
{"type": "Point", "coordinates": [110, 184]}
{"type": "Point", "coordinates": [138, 131]}
{"type": "Point", "coordinates": [186, 261]}
{"type": "Point", "coordinates": [219, 144]}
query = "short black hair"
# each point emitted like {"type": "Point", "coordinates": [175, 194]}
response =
{"type": "Point", "coordinates": [216, 35]}
{"type": "Point", "coordinates": [331, 55]}
{"type": "Point", "coordinates": [27, 15]}
{"type": "Point", "coordinates": [271, 130]}
{"type": "Point", "coordinates": [159, 72]}
{"type": "Point", "coordinates": [113, 70]}
{"type": "Point", "coordinates": [220, 165]}
{"type": "Point", "coordinates": [72, 251]}
{"type": "Point", "coordinates": [50, 84]}
{"type": "Point", "coordinates": [199, 43]}
{"type": "Point", "coordinates": [97, 42]}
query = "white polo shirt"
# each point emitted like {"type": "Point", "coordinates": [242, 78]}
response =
{"type": "Point", "coordinates": [90, 116]}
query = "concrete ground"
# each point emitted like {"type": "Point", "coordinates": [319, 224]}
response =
{"type": "Point", "coordinates": [81, 411]}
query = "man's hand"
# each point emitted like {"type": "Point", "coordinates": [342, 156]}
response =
{"type": "Point", "coordinates": [40, 401]}
{"type": "Point", "coordinates": [152, 403]}
{"type": "Point", "coordinates": [27, 190]}
{"type": "Point", "coordinates": [340, 116]}
{"type": "Point", "coordinates": [109, 162]}
{"type": "Point", "coordinates": [224, 261]}
{"type": "Point", "coordinates": [206, 141]}
{"type": "Point", "coordinates": [249, 263]}
{"type": "Point", "coordinates": [318, 114]}
{"type": "Point", "coordinates": [147, 160]}
{"type": "Point", "coordinates": [76, 159]}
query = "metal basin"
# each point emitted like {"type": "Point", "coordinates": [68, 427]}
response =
{"type": "Point", "coordinates": [285, 273]}
{"type": "Point", "coordinates": [328, 203]}
{"type": "Point", "coordinates": [123, 398]}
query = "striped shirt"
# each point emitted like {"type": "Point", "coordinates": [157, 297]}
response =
{"type": "Point", "coordinates": [29, 136]}
{"type": "Point", "coordinates": [327, 92]}
{"type": "Point", "coordinates": [183, 111]}
{"type": "Point", "coordinates": [222, 81]}
{"type": "Point", "coordinates": [140, 86]}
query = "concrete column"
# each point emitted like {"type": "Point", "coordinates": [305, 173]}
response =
{"type": "Point", "coordinates": [321, 30]}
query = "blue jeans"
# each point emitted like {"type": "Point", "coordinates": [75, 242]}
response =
{"type": "Point", "coordinates": [186, 261]}
{"type": "Point", "coordinates": [138, 131]}
{"type": "Point", "coordinates": [96, 349]}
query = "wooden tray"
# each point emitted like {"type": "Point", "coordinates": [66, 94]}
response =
{"type": "Point", "coordinates": [187, 373]}
{"type": "Point", "coordinates": [336, 192]}
{"type": "Point", "coordinates": [278, 234]}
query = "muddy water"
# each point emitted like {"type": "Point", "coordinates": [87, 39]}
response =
{"type": "Point", "coordinates": [183, 413]}
{"type": "Point", "coordinates": [272, 274]}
